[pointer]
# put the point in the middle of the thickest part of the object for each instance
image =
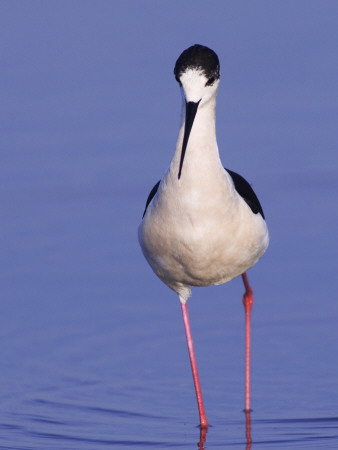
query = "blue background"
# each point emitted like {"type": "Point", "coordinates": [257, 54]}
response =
{"type": "Point", "coordinates": [93, 352]}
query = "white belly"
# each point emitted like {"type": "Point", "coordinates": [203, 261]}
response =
{"type": "Point", "coordinates": [190, 242]}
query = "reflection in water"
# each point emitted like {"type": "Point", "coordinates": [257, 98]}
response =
{"type": "Point", "coordinates": [204, 430]}
{"type": "Point", "coordinates": [248, 429]}
{"type": "Point", "coordinates": [203, 439]}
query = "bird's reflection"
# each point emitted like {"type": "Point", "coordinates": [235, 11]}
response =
{"type": "Point", "coordinates": [248, 429]}
{"type": "Point", "coordinates": [203, 439]}
{"type": "Point", "coordinates": [204, 430]}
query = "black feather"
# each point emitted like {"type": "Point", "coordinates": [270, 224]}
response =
{"type": "Point", "coordinates": [151, 196]}
{"type": "Point", "coordinates": [246, 192]}
{"type": "Point", "coordinates": [198, 57]}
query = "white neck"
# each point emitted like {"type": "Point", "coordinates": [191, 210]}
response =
{"type": "Point", "coordinates": [202, 156]}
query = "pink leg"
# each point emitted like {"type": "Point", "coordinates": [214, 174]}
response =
{"type": "Point", "coordinates": [203, 419]}
{"type": "Point", "coordinates": [247, 302]}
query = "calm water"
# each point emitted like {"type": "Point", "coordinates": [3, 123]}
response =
{"type": "Point", "coordinates": [92, 349]}
{"type": "Point", "coordinates": [92, 345]}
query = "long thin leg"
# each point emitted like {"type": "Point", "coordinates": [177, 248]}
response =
{"type": "Point", "coordinates": [247, 302]}
{"type": "Point", "coordinates": [203, 418]}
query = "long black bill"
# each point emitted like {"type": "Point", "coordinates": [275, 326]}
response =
{"type": "Point", "coordinates": [190, 113]}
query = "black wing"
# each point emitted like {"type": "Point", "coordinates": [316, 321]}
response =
{"type": "Point", "coordinates": [246, 192]}
{"type": "Point", "coordinates": [151, 196]}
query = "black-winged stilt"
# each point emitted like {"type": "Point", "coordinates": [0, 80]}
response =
{"type": "Point", "coordinates": [202, 224]}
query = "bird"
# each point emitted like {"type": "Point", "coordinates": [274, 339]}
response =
{"type": "Point", "coordinates": [202, 224]}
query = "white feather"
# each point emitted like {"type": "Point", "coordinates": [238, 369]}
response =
{"type": "Point", "coordinates": [197, 230]}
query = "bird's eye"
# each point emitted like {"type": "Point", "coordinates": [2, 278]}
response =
{"type": "Point", "coordinates": [210, 82]}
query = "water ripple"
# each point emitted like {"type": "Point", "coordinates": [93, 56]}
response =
{"type": "Point", "coordinates": [96, 409]}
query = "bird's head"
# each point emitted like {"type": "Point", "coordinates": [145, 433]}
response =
{"type": "Point", "coordinates": [197, 72]}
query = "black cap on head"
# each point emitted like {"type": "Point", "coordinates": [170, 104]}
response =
{"type": "Point", "coordinates": [198, 57]}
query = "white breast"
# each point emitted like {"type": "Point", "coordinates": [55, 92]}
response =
{"type": "Point", "coordinates": [202, 235]}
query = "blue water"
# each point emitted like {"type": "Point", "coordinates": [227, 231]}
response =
{"type": "Point", "coordinates": [93, 352]}
{"type": "Point", "coordinates": [93, 349]}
